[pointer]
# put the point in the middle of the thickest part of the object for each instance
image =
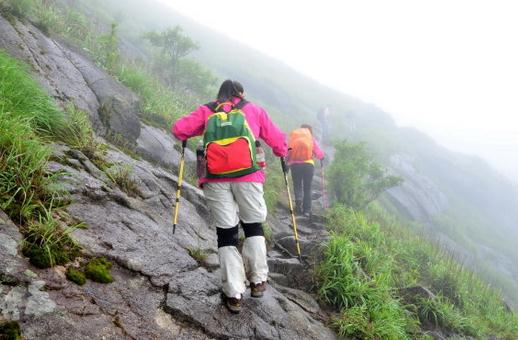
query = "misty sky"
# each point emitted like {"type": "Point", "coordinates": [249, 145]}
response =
{"type": "Point", "coordinates": [449, 68]}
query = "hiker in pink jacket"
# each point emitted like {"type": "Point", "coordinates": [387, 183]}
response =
{"type": "Point", "coordinates": [238, 199]}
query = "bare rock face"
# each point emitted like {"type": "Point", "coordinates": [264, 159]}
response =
{"type": "Point", "coordinates": [158, 146]}
{"type": "Point", "coordinates": [417, 197]}
{"type": "Point", "coordinates": [72, 78]}
{"type": "Point", "coordinates": [159, 292]}
{"type": "Point", "coordinates": [22, 294]}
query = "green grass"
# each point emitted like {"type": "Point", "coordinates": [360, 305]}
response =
{"type": "Point", "coordinates": [161, 106]}
{"type": "Point", "coordinates": [198, 254]}
{"type": "Point", "coordinates": [275, 186]}
{"type": "Point", "coordinates": [78, 133]}
{"type": "Point", "coordinates": [370, 259]}
{"type": "Point", "coordinates": [47, 242]}
{"type": "Point", "coordinates": [122, 175]}
{"type": "Point", "coordinates": [28, 194]}
{"type": "Point", "coordinates": [27, 119]}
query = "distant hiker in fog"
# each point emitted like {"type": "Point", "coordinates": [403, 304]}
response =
{"type": "Point", "coordinates": [323, 119]}
{"type": "Point", "coordinates": [233, 183]}
{"type": "Point", "coordinates": [302, 148]}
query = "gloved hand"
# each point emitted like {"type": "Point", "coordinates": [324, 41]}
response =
{"type": "Point", "coordinates": [285, 167]}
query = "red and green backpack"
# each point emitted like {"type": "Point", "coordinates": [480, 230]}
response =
{"type": "Point", "coordinates": [229, 142]}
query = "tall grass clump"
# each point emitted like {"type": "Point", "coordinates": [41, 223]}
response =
{"type": "Point", "coordinates": [28, 119]}
{"type": "Point", "coordinates": [79, 134]}
{"type": "Point", "coordinates": [371, 260]}
{"type": "Point", "coordinates": [21, 97]}
{"type": "Point", "coordinates": [355, 276]}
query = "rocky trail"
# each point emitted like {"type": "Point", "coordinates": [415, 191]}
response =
{"type": "Point", "coordinates": [159, 290]}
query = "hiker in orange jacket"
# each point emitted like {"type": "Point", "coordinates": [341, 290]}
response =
{"type": "Point", "coordinates": [238, 199]}
{"type": "Point", "coordinates": [302, 148]}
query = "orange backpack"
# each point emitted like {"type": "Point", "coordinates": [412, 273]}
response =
{"type": "Point", "coordinates": [300, 144]}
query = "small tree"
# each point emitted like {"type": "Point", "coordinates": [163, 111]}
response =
{"type": "Point", "coordinates": [108, 55]}
{"type": "Point", "coordinates": [173, 45]}
{"type": "Point", "coordinates": [356, 179]}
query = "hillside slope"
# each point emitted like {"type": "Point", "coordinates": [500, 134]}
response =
{"type": "Point", "coordinates": [465, 204]}
{"type": "Point", "coordinates": [161, 289]}
{"type": "Point", "coordinates": [167, 286]}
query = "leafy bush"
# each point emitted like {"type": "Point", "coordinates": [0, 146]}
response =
{"type": "Point", "coordinates": [355, 178]}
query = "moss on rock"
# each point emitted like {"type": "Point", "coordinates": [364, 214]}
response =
{"type": "Point", "coordinates": [98, 270]}
{"type": "Point", "coordinates": [10, 331]}
{"type": "Point", "coordinates": [76, 276]}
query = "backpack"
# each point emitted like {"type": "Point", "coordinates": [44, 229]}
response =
{"type": "Point", "coordinates": [300, 145]}
{"type": "Point", "coordinates": [229, 142]}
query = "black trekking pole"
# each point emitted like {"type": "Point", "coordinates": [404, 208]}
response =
{"type": "Point", "coordinates": [179, 185]}
{"type": "Point", "coordinates": [293, 220]}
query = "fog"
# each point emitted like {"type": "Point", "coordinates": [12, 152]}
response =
{"type": "Point", "coordinates": [447, 68]}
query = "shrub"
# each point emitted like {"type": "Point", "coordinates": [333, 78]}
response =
{"type": "Point", "coordinates": [356, 179]}
{"type": "Point", "coordinates": [98, 270]}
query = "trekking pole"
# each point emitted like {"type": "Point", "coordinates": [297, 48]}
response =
{"type": "Point", "coordinates": [293, 220]}
{"type": "Point", "coordinates": [179, 185]}
{"type": "Point", "coordinates": [324, 193]}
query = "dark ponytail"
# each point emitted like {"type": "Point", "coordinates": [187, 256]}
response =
{"type": "Point", "coordinates": [228, 90]}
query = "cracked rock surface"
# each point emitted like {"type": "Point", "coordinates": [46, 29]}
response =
{"type": "Point", "coordinates": [159, 292]}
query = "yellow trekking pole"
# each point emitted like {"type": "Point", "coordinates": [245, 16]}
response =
{"type": "Point", "coordinates": [293, 220]}
{"type": "Point", "coordinates": [179, 185]}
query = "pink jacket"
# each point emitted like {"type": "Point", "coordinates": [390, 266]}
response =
{"type": "Point", "coordinates": [317, 152]}
{"type": "Point", "coordinates": [262, 127]}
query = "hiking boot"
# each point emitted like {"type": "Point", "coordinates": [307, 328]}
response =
{"type": "Point", "coordinates": [257, 289]}
{"type": "Point", "coordinates": [308, 215]}
{"type": "Point", "coordinates": [233, 304]}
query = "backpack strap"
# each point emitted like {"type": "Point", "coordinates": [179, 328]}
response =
{"type": "Point", "coordinates": [213, 106]}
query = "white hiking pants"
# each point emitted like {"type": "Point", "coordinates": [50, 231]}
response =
{"type": "Point", "coordinates": [230, 203]}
